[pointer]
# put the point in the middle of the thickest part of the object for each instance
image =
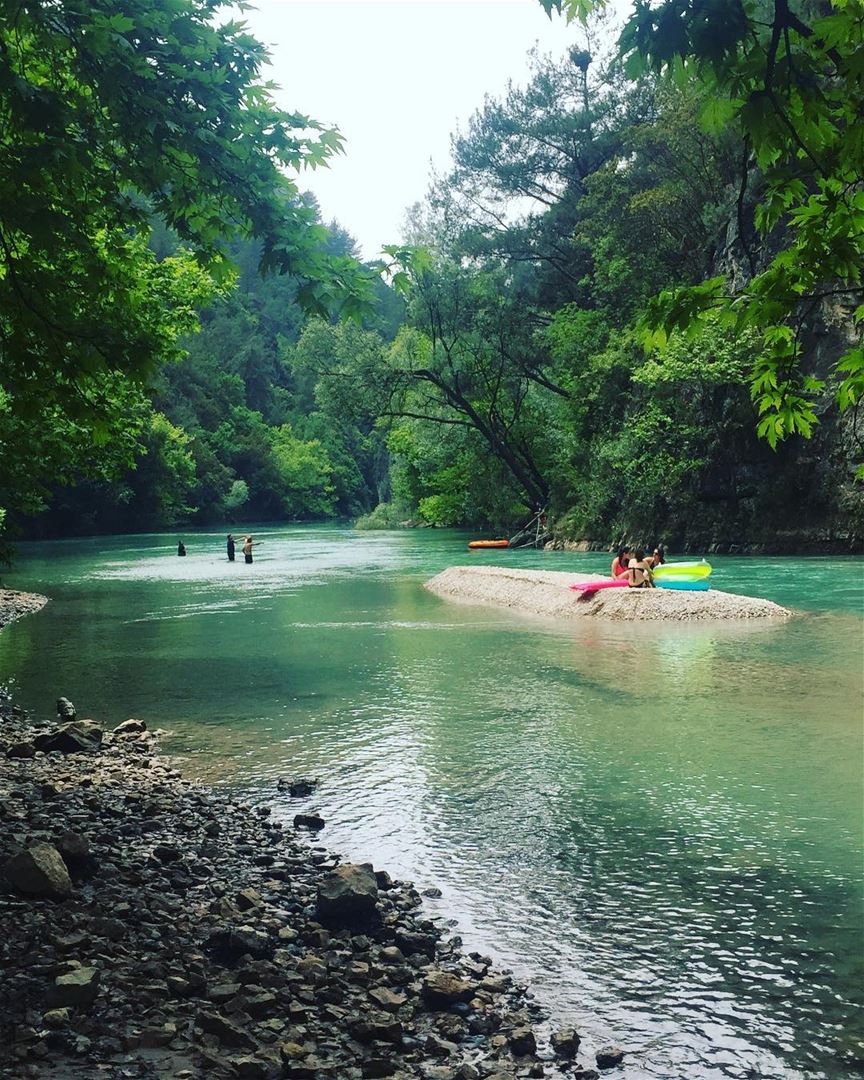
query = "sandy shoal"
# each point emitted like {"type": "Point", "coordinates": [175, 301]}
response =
{"type": "Point", "coordinates": [546, 592]}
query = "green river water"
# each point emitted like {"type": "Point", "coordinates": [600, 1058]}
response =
{"type": "Point", "coordinates": [659, 827]}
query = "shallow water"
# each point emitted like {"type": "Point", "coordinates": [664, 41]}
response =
{"type": "Point", "coordinates": [659, 826]}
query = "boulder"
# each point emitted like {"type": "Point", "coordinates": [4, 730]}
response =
{"type": "Point", "coordinates": [76, 990]}
{"type": "Point", "coordinates": [609, 1057]}
{"type": "Point", "coordinates": [39, 871]}
{"type": "Point", "coordinates": [441, 989]}
{"type": "Point", "coordinates": [130, 727]}
{"type": "Point", "coordinates": [21, 750]}
{"type": "Point", "coordinates": [565, 1042]}
{"type": "Point", "coordinates": [77, 737]}
{"type": "Point", "coordinates": [227, 946]}
{"type": "Point", "coordinates": [308, 821]}
{"type": "Point", "coordinates": [226, 1031]}
{"type": "Point", "coordinates": [347, 897]}
{"type": "Point", "coordinates": [522, 1041]}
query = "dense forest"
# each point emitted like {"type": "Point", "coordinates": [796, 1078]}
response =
{"type": "Point", "coordinates": [632, 302]}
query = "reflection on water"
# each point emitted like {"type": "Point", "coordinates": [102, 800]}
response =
{"type": "Point", "coordinates": [660, 826]}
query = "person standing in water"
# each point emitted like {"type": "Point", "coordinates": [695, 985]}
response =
{"type": "Point", "coordinates": [181, 548]}
{"type": "Point", "coordinates": [248, 544]}
{"type": "Point", "coordinates": [230, 547]}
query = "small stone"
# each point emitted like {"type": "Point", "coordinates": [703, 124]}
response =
{"type": "Point", "coordinates": [78, 989]}
{"type": "Point", "coordinates": [226, 1031]}
{"type": "Point", "coordinates": [387, 999]}
{"type": "Point", "coordinates": [247, 899]}
{"type": "Point", "coordinates": [609, 1057]}
{"type": "Point", "coordinates": [56, 1018]}
{"type": "Point", "coordinates": [39, 871]}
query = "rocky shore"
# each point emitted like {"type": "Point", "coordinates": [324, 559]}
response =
{"type": "Point", "coordinates": [14, 605]}
{"type": "Point", "coordinates": [152, 928]}
{"type": "Point", "coordinates": [546, 592]}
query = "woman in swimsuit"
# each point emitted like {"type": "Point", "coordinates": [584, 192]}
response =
{"type": "Point", "coordinates": [619, 563]}
{"type": "Point", "coordinates": [639, 574]}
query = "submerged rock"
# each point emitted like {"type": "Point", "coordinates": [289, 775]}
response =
{"type": "Point", "coordinates": [308, 821]}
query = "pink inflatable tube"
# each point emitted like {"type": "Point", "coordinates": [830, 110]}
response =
{"type": "Point", "coordinates": [595, 586]}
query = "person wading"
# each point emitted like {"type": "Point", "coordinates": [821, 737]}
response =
{"type": "Point", "coordinates": [248, 544]}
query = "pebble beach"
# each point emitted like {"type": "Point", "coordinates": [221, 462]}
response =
{"type": "Point", "coordinates": [154, 928]}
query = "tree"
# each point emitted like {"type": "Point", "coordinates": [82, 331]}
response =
{"type": "Point", "coordinates": [788, 79]}
{"type": "Point", "coordinates": [112, 112]}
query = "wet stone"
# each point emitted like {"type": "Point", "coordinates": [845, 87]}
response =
{"type": "Point", "coordinates": [609, 1057]}
{"type": "Point", "coordinates": [39, 871]}
{"type": "Point", "coordinates": [565, 1042]}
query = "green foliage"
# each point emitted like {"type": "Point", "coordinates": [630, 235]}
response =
{"type": "Point", "coordinates": [791, 84]}
{"type": "Point", "coordinates": [305, 474]}
{"type": "Point", "coordinates": [384, 516]}
{"type": "Point", "coordinates": [113, 115]}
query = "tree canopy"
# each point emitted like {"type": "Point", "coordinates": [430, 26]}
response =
{"type": "Point", "coordinates": [115, 114]}
{"type": "Point", "coordinates": [788, 79]}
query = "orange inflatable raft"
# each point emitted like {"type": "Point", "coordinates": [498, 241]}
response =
{"type": "Point", "coordinates": [475, 544]}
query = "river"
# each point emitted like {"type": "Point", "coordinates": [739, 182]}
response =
{"type": "Point", "coordinates": [659, 827]}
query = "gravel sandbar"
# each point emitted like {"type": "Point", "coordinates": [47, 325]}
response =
{"type": "Point", "coordinates": [545, 592]}
{"type": "Point", "coordinates": [14, 605]}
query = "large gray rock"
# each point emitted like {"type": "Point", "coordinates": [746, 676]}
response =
{"type": "Point", "coordinates": [39, 871]}
{"type": "Point", "coordinates": [565, 1042]}
{"type": "Point", "coordinates": [77, 737]}
{"type": "Point", "coordinates": [21, 750]}
{"type": "Point", "coordinates": [609, 1057]}
{"type": "Point", "coordinates": [441, 989]}
{"type": "Point", "coordinates": [226, 1031]}
{"type": "Point", "coordinates": [347, 897]}
{"type": "Point", "coordinates": [78, 989]}
{"type": "Point", "coordinates": [130, 727]}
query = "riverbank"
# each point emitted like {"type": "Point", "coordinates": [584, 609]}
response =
{"type": "Point", "coordinates": [154, 928]}
{"type": "Point", "coordinates": [14, 605]}
{"type": "Point", "coordinates": [547, 592]}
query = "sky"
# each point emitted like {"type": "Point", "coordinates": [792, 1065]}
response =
{"type": "Point", "coordinates": [396, 77]}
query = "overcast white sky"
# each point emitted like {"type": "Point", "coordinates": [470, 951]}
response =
{"type": "Point", "coordinates": [396, 77]}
